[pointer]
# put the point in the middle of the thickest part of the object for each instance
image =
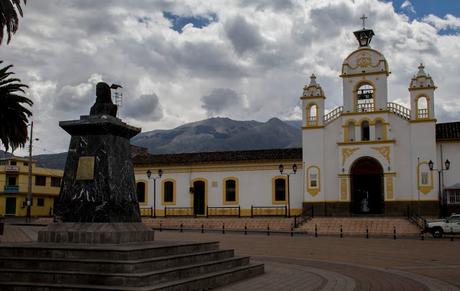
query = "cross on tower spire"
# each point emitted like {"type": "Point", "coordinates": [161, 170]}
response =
{"type": "Point", "coordinates": [363, 18]}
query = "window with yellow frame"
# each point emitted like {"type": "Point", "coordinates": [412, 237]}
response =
{"type": "Point", "coordinates": [169, 192]}
{"type": "Point", "coordinates": [279, 190]}
{"type": "Point", "coordinates": [141, 193]}
{"type": "Point", "coordinates": [230, 190]}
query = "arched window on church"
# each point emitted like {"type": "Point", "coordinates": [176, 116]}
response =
{"type": "Point", "coordinates": [422, 107]}
{"type": "Point", "coordinates": [365, 130]}
{"type": "Point", "coordinates": [365, 98]}
{"type": "Point", "coordinates": [312, 115]}
{"type": "Point", "coordinates": [351, 131]}
{"type": "Point", "coordinates": [379, 130]}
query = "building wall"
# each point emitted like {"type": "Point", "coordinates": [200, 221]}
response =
{"type": "Point", "coordinates": [448, 151]}
{"type": "Point", "coordinates": [47, 193]}
{"type": "Point", "coordinates": [255, 185]}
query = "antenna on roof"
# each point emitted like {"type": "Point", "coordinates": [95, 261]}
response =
{"type": "Point", "coordinates": [117, 95]}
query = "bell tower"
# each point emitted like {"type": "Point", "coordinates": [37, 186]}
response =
{"type": "Point", "coordinates": [313, 104]}
{"type": "Point", "coordinates": [364, 73]}
{"type": "Point", "coordinates": [421, 90]}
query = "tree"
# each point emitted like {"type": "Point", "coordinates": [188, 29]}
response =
{"type": "Point", "coordinates": [13, 115]}
{"type": "Point", "coordinates": [9, 18]}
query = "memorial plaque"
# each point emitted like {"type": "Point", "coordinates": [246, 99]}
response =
{"type": "Point", "coordinates": [85, 170]}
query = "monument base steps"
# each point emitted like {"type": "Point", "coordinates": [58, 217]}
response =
{"type": "Point", "coordinates": [156, 265]}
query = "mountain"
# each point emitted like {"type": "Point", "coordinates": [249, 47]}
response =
{"type": "Point", "coordinates": [53, 161]}
{"type": "Point", "coordinates": [220, 134]}
{"type": "Point", "coordinates": [213, 134]}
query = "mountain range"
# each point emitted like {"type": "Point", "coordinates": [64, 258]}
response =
{"type": "Point", "coordinates": [213, 134]}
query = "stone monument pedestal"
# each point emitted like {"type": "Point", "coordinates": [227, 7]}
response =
{"type": "Point", "coordinates": [96, 233]}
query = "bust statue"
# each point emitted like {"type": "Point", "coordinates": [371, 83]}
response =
{"type": "Point", "coordinates": [104, 104]}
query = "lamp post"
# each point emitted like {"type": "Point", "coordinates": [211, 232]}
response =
{"type": "Point", "coordinates": [29, 178]}
{"type": "Point", "coordinates": [149, 175]}
{"type": "Point", "coordinates": [294, 170]}
{"type": "Point", "coordinates": [440, 181]}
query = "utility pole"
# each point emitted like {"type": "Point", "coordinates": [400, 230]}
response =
{"type": "Point", "coordinates": [29, 190]}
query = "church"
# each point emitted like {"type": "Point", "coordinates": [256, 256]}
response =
{"type": "Point", "coordinates": [367, 157]}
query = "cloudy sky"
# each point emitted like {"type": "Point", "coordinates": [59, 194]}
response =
{"type": "Point", "coordinates": [187, 60]}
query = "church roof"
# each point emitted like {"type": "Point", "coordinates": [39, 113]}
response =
{"type": "Point", "coordinates": [448, 131]}
{"type": "Point", "coordinates": [219, 157]}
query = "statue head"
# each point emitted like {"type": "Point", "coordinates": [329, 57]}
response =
{"type": "Point", "coordinates": [103, 94]}
{"type": "Point", "coordinates": [104, 104]}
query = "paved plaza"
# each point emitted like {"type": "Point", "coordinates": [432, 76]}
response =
{"type": "Point", "coordinates": [327, 263]}
{"type": "Point", "coordinates": [332, 263]}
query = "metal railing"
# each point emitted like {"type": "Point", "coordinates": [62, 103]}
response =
{"type": "Point", "coordinates": [11, 169]}
{"type": "Point", "coordinates": [11, 188]}
{"type": "Point", "coordinates": [269, 211]}
{"type": "Point", "coordinates": [399, 110]}
{"type": "Point", "coordinates": [223, 211]}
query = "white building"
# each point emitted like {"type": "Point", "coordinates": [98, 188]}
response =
{"type": "Point", "coordinates": [369, 156]}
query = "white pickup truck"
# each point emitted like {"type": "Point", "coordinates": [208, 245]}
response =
{"type": "Point", "coordinates": [439, 227]}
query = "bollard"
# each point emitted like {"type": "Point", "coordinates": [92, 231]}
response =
{"type": "Point", "coordinates": [451, 234]}
{"type": "Point", "coordinates": [367, 231]}
{"type": "Point", "coordinates": [202, 228]}
{"type": "Point", "coordinates": [316, 230]}
{"type": "Point", "coordinates": [223, 228]}
{"type": "Point", "coordinates": [268, 230]}
{"type": "Point", "coordinates": [341, 232]}
{"type": "Point", "coordinates": [160, 226]}
{"type": "Point", "coordinates": [394, 232]}
{"type": "Point", "coordinates": [422, 235]}
{"type": "Point", "coordinates": [181, 227]}
{"type": "Point", "coordinates": [292, 231]}
{"type": "Point", "coordinates": [245, 229]}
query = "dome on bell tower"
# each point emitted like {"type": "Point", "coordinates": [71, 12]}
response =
{"type": "Point", "coordinates": [364, 73]}
{"type": "Point", "coordinates": [313, 89]}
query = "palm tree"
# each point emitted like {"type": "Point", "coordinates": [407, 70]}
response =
{"type": "Point", "coordinates": [13, 115]}
{"type": "Point", "coordinates": [9, 10]}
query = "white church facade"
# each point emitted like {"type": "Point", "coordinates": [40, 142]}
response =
{"type": "Point", "coordinates": [369, 156]}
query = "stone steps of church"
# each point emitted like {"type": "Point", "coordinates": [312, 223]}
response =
{"type": "Point", "coordinates": [383, 226]}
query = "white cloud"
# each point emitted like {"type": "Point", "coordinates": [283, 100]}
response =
{"type": "Point", "coordinates": [407, 5]}
{"type": "Point", "coordinates": [262, 50]}
{"type": "Point", "coordinates": [448, 22]}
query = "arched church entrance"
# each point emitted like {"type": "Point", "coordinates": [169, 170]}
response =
{"type": "Point", "coordinates": [367, 186]}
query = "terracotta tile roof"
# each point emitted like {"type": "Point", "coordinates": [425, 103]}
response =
{"type": "Point", "coordinates": [219, 157]}
{"type": "Point", "coordinates": [448, 131]}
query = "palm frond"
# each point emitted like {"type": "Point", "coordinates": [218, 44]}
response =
{"type": "Point", "coordinates": [9, 18]}
{"type": "Point", "coordinates": [14, 116]}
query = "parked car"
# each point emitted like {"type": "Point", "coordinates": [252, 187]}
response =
{"type": "Point", "coordinates": [448, 225]}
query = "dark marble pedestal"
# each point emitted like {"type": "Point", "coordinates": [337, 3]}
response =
{"type": "Point", "coordinates": [98, 183]}
{"type": "Point", "coordinates": [96, 233]}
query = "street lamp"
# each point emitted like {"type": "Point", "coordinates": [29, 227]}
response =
{"type": "Point", "coordinates": [294, 170]}
{"type": "Point", "coordinates": [29, 178]}
{"type": "Point", "coordinates": [440, 181]}
{"type": "Point", "coordinates": [149, 175]}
